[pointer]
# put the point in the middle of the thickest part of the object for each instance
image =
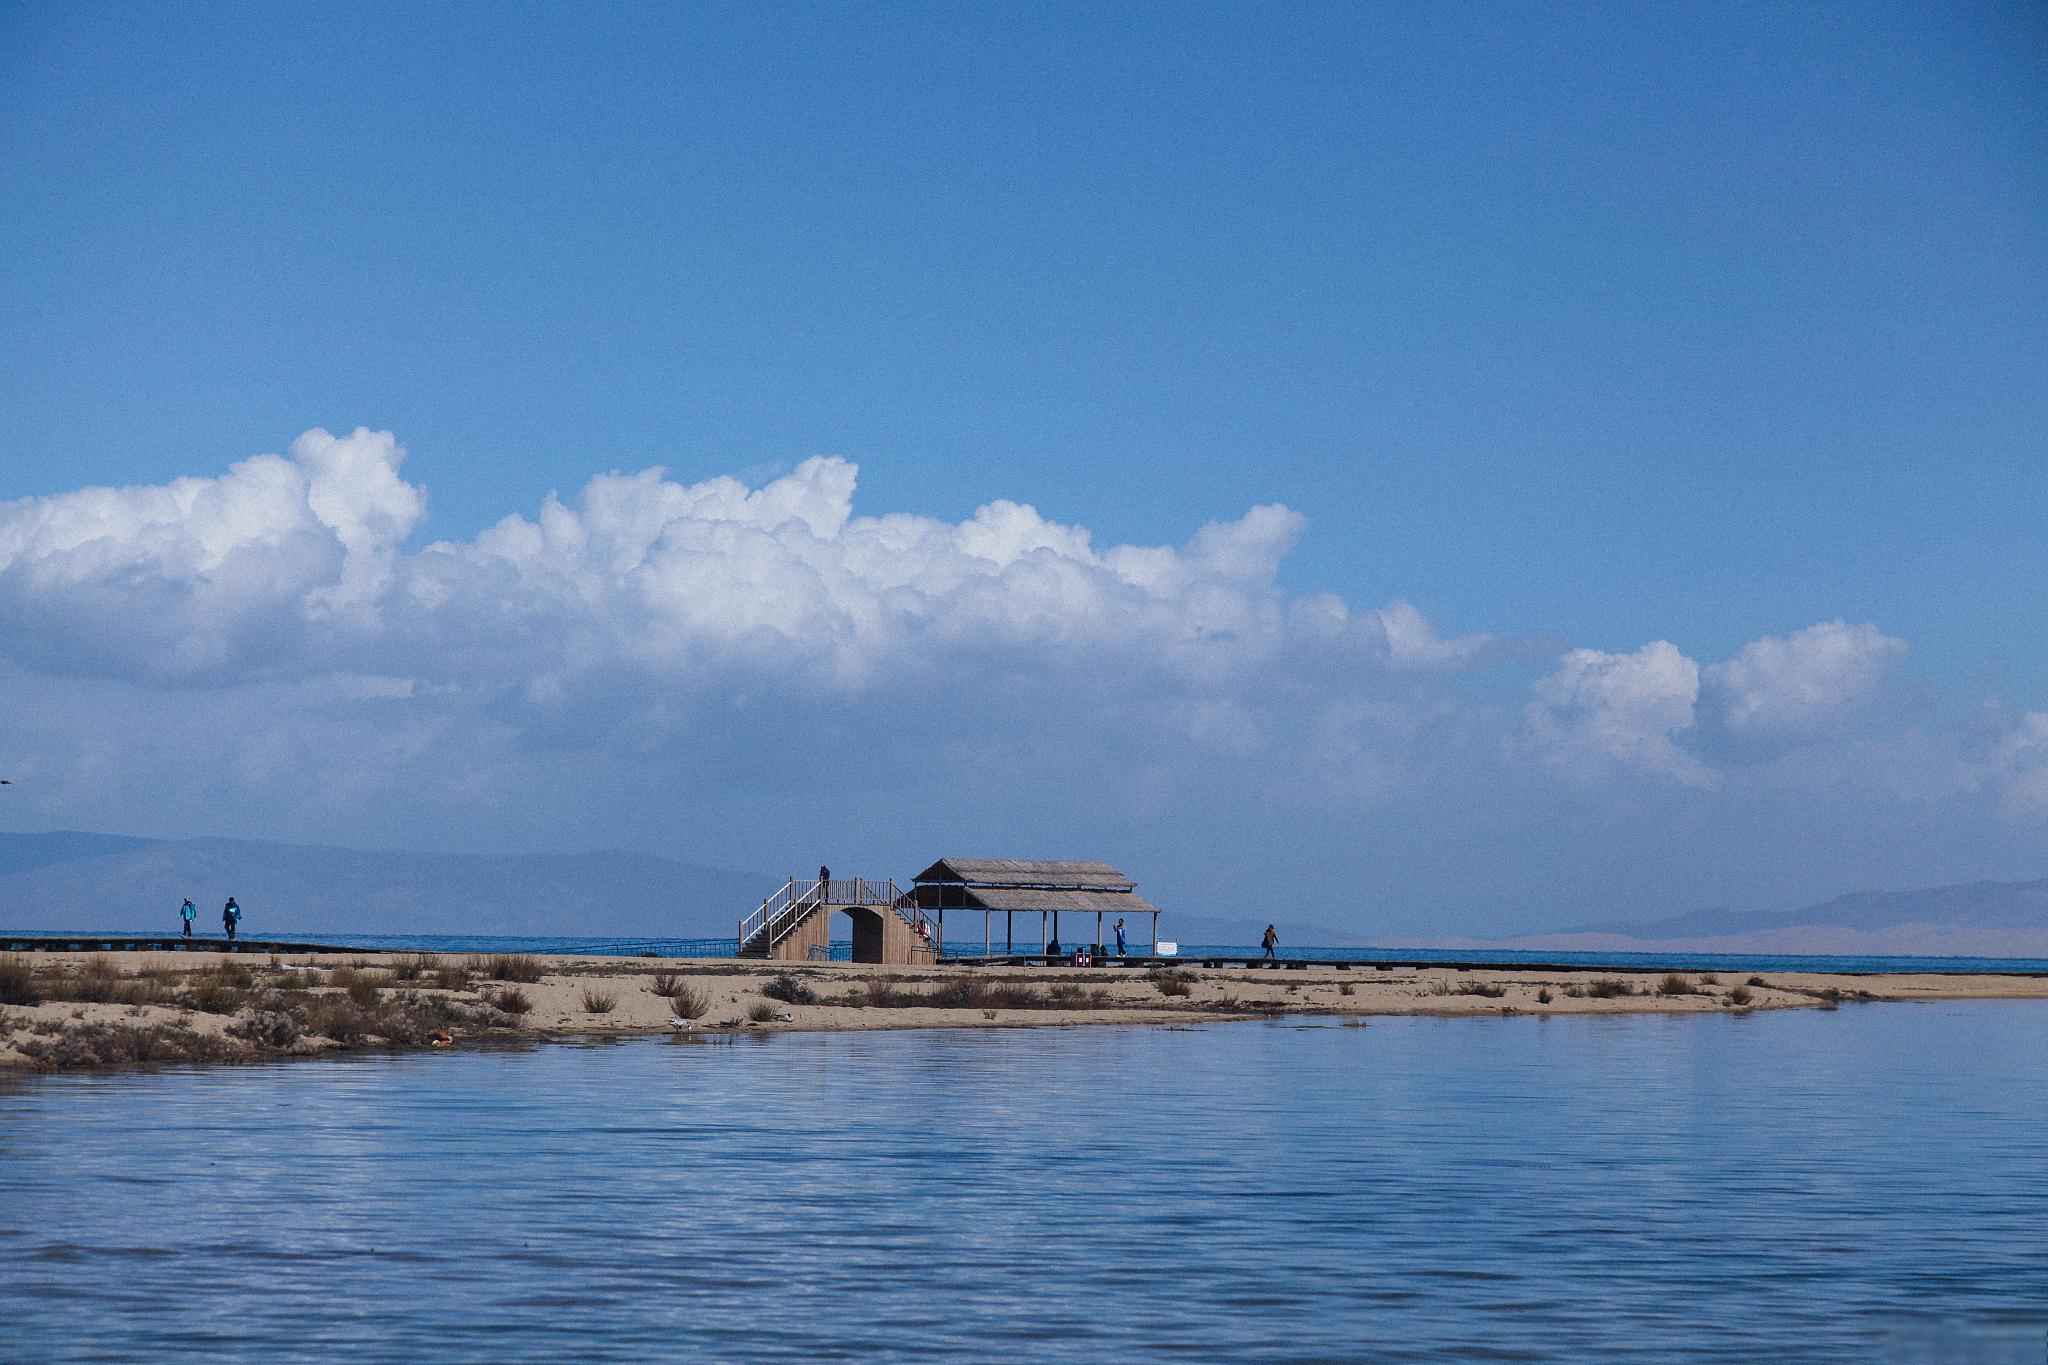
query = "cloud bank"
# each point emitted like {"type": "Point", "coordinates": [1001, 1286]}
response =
{"type": "Point", "coordinates": [283, 627]}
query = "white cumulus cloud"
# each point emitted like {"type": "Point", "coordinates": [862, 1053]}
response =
{"type": "Point", "coordinates": [1623, 709]}
{"type": "Point", "coordinates": [1803, 680]}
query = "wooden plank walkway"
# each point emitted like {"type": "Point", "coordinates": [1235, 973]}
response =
{"type": "Point", "coordinates": [165, 943]}
{"type": "Point", "coordinates": [1254, 962]}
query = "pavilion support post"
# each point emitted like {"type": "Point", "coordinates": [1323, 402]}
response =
{"type": "Point", "coordinates": [1056, 930]}
{"type": "Point", "coordinates": [1041, 933]}
{"type": "Point", "coordinates": [1009, 931]}
{"type": "Point", "coordinates": [939, 943]}
{"type": "Point", "coordinates": [984, 933]}
{"type": "Point", "coordinates": [1155, 933]}
{"type": "Point", "coordinates": [1098, 929]}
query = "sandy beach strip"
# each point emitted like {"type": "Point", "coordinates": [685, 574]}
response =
{"type": "Point", "coordinates": [101, 1008]}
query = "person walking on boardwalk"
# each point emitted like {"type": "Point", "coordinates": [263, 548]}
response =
{"type": "Point", "coordinates": [1119, 935]}
{"type": "Point", "coordinates": [230, 916]}
{"type": "Point", "coordinates": [1270, 941]}
{"type": "Point", "coordinates": [188, 912]}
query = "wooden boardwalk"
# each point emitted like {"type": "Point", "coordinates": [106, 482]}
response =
{"type": "Point", "coordinates": [1254, 962]}
{"type": "Point", "coordinates": [160, 943]}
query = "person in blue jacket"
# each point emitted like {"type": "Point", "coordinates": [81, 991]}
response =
{"type": "Point", "coordinates": [230, 916]}
{"type": "Point", "coordinates": [188, 912]}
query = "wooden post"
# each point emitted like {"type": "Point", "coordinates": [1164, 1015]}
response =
{"type": "Point", "coordinates": [1098, 928]}
{"type": "Point", "coordinates": [1041, 933]}
{"type": "Point", "coordinates": [1009, 931]}
{"type": "Point", "coordinates": [939, 945]}
{"type": "Point", "coordinates": [1155, 933]}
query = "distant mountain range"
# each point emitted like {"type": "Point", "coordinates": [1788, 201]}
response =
{"type": "Point", "coordinates": [1976, 919]}
{"type": "Point", "coordinates": [71, 880]}
{"type": "Point", "coordinates": [68, 880]}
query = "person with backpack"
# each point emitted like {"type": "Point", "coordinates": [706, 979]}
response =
{"type": "Point", "coordinates": [230, 916]}
{"type": "Point", "coordinates": [188, 912]}
{"type": "Point", "coordinates": [1270, 941]}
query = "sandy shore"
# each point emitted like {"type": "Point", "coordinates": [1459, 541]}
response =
{"type": "Point", "coordinates": [105, 1008]}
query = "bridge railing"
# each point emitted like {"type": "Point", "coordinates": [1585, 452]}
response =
{"type": "Point", "coordinates": [798, 896]}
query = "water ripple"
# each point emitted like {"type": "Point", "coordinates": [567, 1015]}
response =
{"type": "Point", "coordinates": [1805, 1185]}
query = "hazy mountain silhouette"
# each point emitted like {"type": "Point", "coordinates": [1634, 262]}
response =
{"type": "Point", "coordinates": [71, 880]}
{"type": "Point", "coordinates": [1989, 919]}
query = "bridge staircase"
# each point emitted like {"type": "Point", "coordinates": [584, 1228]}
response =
{"type": "Point", "coordinates": [794, 910]}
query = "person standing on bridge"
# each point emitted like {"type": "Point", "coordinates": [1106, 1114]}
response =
{"type": "Point", "coordinates": [230, 916]}
{"type": "Point", "coordinates": [188, 912]}
{"type": "Point", "coordinates": [1270, 941]}
{"type": "Point", "coordinates": [824, 882]}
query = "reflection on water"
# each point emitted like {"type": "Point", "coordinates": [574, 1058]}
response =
{"type": "Point", "coordinates": [1802, 1185]}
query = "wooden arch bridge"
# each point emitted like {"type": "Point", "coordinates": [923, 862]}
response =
{"type": "Point", "coordinates": [903, 926]}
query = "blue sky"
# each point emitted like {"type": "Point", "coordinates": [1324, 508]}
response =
{"type": "Point", "coordinates": [1575, 328]}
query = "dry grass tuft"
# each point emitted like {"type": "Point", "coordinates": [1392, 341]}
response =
{"type": "Point", "coordinates": [18, 981]}
{"type": "Point", "coordinates": [98, 981]}
{"type": "Point", "coordinates": [790, 990]}
{"type": "Point", "coordinates": [599, 1002]}
{"type": "Point", "coordinates": [1171, 983]}
{"type": "Point", "coordinates": [685, 1000]}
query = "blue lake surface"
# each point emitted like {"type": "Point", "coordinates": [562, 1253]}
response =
{"type": "Point", "coordinates": [1858, 1184]}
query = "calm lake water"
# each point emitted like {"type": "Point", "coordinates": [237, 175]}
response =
{"type": "Point", "coordinates": [1868, 1183]}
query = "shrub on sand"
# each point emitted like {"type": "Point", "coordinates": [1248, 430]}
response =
{"type": "Point", "coordinates": [790, 990]}
{"type": "Point", "coordinates": [337, 1018]}
{"type": "Point", "coordinates": [18, 981]}
{"type": "Point", "coordinates": [761, 1012]}
{"type": "Point", "coordinates": [97, 982]}
{"type": "Point", "coordinates": [1740, 996]}
{"type": "Point", "coordinates": [512, 1000]}
{"type": "Point", "coordinates": [686, 1001]}
{"type": "Point", "coordinates": [515, 967]}
{"type": "Point", "coordinates": [213, 994]}
{"type": "Point", "coordinates": [1171, 983]}
{"type": "Point", "coordinates": [1674, 984]}
{"type": "Point", "coordinates": [599, 1002]}
{"type": "Point", "coordinates": [1608, 988]}
{"type": "Point", "coordinates": [1544, 997]}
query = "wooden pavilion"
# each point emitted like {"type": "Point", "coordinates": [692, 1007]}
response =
{"type": "Point", "coordinates": [1010, 886]}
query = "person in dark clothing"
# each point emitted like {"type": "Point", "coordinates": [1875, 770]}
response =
{"type": "Point", "coordinates": [188, 912]}
{"type": "Point", "coordinates": [230, 916]}
{"type": "Point", "coordinates": [1119, 935]}
{"type": "Point", "coordinates": [1270, 941]}
{"type": "Point", "coordinates": [824, 882]}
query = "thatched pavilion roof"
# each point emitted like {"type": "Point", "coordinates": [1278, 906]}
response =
{"type": "Point", "coordinates": [1065, 873]}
